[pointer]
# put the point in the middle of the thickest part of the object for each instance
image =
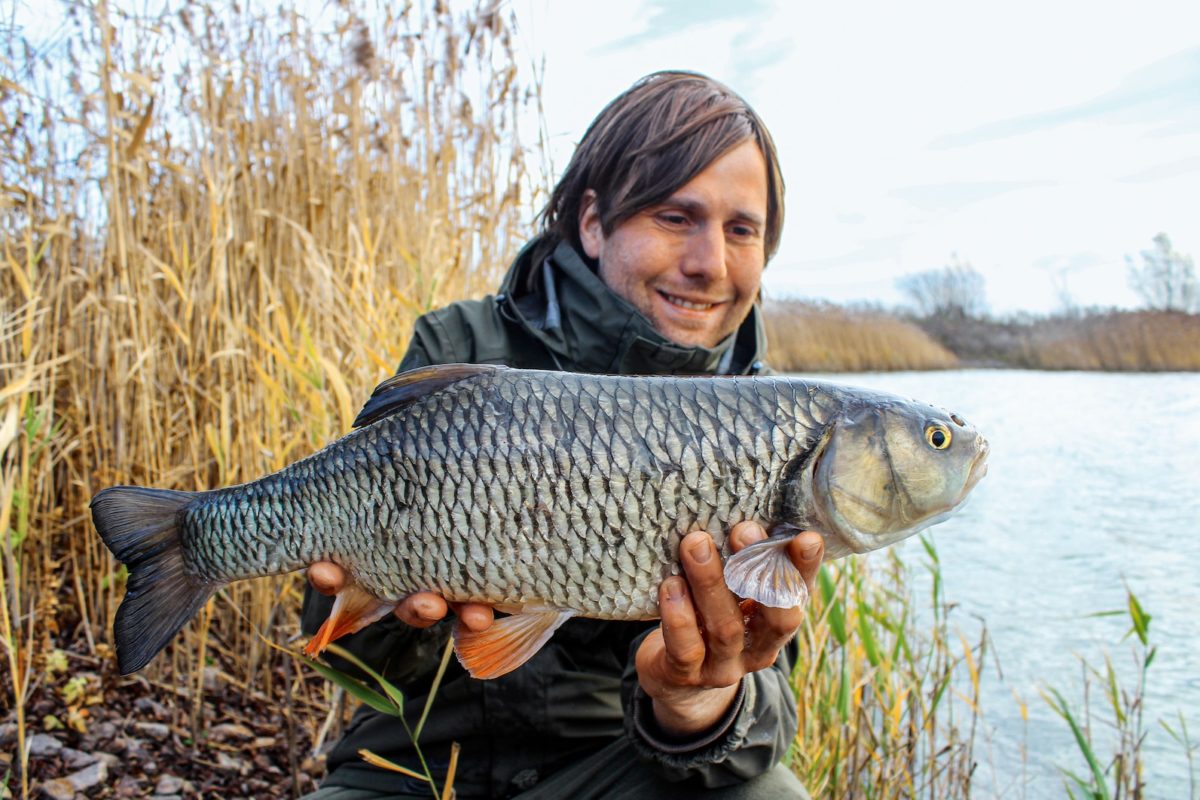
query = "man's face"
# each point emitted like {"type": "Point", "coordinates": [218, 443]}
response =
{"type": "Point", "coordinates": [693, 263]}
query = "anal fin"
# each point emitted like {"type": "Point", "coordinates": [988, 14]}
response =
{"type": "Point", "coordinates": [763, 572]}
{"type": "Point", "coordinates": [353, 610]}
{"type": "Point", "coordinates": [508, 643]}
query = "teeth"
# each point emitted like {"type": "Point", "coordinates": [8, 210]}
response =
{"type": "Point", "coordinates": [679, 301]}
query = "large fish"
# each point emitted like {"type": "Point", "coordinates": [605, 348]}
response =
{"type": "Point", "coordinates": [546, 495]}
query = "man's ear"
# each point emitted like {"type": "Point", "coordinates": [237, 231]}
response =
{"type": "Point", "coordinates": [591, 231]}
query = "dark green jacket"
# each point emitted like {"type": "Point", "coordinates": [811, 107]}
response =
{"type": "Point", "coordinates": [580, 691]}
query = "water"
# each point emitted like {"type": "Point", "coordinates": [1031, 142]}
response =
{"type": "Point", "coordinates": [1093, 485]}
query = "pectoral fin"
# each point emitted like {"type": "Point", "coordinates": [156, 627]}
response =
{"type": "Point", "coordinates": [763, 572]}
{"type": "Point", "coordinates": [508, 643]}
{"type": "Point", "coordinates": [353, 610]}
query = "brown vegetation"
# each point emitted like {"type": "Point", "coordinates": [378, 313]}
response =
{"type": "Point", "coordinates": [1131, 341]}
{"type": "Point", "coordinates": [817, 337]}
{"type": "Point", "coordinates": [814, 337]}
{"type": "Point", "coordinates": [208, 261]}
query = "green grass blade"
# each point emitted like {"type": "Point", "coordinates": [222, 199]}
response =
{"type": "Point", "coordinates": [843, 695]}
{"type": "Point", "coordinates": [836, 614]}
{"type": "Point", "coordinates": [1060, 708]}
{"type": "Point", "coordinates": [393, 694]}
{"type": "Point", "coordinates": [868, 639]}
{"type": "Point", "coordinates": [1141, 620]}
{"type": "Point", "coordinates": [1113, 690]}
{"type": "Point", "coordinates": [353, 686]}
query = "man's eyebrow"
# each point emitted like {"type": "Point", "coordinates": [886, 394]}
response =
{"type": "Point", "coordinates": [695, 206]}
{"type": "Point", "coordinates": [749, 216]}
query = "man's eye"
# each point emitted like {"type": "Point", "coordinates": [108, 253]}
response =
{"type": "Point", "coordinates": [743, 231]}
{"type": "Point", "coordinates": [672, 218]}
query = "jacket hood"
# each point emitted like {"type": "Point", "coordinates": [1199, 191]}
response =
{"type": "Point", "coordinates": [587, 327]}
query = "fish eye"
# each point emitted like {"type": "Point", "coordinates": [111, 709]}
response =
{"type": "Point", "coordinates": [937, 436]}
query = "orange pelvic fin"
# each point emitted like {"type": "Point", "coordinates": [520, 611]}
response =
{"type": "Point", "coordinates": [353, 610]}
{"type": "Point", "coordinates": [508, 643]}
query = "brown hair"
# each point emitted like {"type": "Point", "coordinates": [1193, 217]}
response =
{"type": "Point", "coordinates": [654, 138]}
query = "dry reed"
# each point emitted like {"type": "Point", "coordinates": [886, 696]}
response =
{"type": "Point", "coordinates": [1139, 341]}
{"type": "Point", "coordinates": [218, 227]}
{"type": "Point", "coordinates": [815, 337]}
{"type": "Point", "coordinates": [888, 694]}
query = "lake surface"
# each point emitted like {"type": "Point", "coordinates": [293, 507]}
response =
{"type": "Point", "coordinates": [1093, 484]}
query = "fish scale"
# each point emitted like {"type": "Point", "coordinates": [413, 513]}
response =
{"type": "Point", "coordinates": [510, 424]}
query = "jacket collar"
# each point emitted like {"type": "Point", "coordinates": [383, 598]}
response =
{"type": "Point", "coordinates": [588, 328]}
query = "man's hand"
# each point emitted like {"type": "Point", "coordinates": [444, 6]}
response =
{"type": "Point", "coordinates": [692, 664]}
{"type": "Point", "coordinates": [420, 609]}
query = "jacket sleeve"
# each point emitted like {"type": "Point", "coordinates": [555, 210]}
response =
{"type": "Point", "coordinates": [752, 738]}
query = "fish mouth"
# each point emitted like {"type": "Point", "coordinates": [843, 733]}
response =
{"type": "Point", "coordinates": [978, 470]}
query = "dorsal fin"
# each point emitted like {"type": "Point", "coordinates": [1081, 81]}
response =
{"type": "Point", "coordinates": [399, 390]}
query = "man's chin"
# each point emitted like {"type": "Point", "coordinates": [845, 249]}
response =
{"type": "Point", "coordinates": [688, 337]}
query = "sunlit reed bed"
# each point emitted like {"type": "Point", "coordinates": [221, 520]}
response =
{"type": "Point", "coordinates": [1142, 341]}
{"type": "Point", "coordinates": [218, 227]}
{"type": "Point", "coordinates": [818, 337]}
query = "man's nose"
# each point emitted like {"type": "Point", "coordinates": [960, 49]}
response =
{"type": "Point", "coordinates": [706, 254]}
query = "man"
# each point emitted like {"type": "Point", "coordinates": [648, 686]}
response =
{"type": "Point", "coordinates": [649, 261]}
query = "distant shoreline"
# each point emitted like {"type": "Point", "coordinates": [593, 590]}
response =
{"type": "Point", "coordinates": [808, 336]}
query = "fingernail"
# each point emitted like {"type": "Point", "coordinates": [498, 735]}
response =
{"type": "Point", "coordinates": [674, 589]}
{"type": "Point", "coordinates": [810, 550]}
{"type": "Point", "coordinates": [751, 534]}
{"type": "Point", "coordinates": [424, 609]}
{"type": "Point", "coordinates": [701, 551]}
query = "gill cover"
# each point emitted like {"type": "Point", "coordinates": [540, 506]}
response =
{"type": "Point", "coordinates": [890, 470]}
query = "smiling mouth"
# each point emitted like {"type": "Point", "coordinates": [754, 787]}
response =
{"type": "Point", "coordinates": [690, 305]}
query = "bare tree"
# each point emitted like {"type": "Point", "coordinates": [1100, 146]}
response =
{"type": "Point", "coordinates": [1166, 278]}
{"type": "Point", "coordinates": [955, 290]}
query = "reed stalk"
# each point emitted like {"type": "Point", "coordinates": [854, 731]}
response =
{"type": "Point", "coordinates": [217, 225]}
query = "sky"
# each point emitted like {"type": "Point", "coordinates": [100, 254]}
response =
{"type": "Point", "coordinates": [1040, 142]}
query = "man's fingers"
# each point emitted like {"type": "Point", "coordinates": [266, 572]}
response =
{"type": "Point", "coordinates": [326, 577]}
{"type": "Point", "coordinates": [717, 608]}
{"type": "Point", "coordinates": [683, 643]}
{"type": "Point", "coordinates": [806, 551]}
{"type": "Point", "coordinates": [706, 580]}
{"type": "Point", "coordinates": [475, 616]}
{"type": "Point", "coordinates": [745, 534]}
{"type": "Point", "coordinates": [421, 609]}
{"type": "Point", "coordinates": [771, 628]}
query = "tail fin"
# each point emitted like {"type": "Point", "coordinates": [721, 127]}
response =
{"type": "Point", "coordinates": [141, 528]}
